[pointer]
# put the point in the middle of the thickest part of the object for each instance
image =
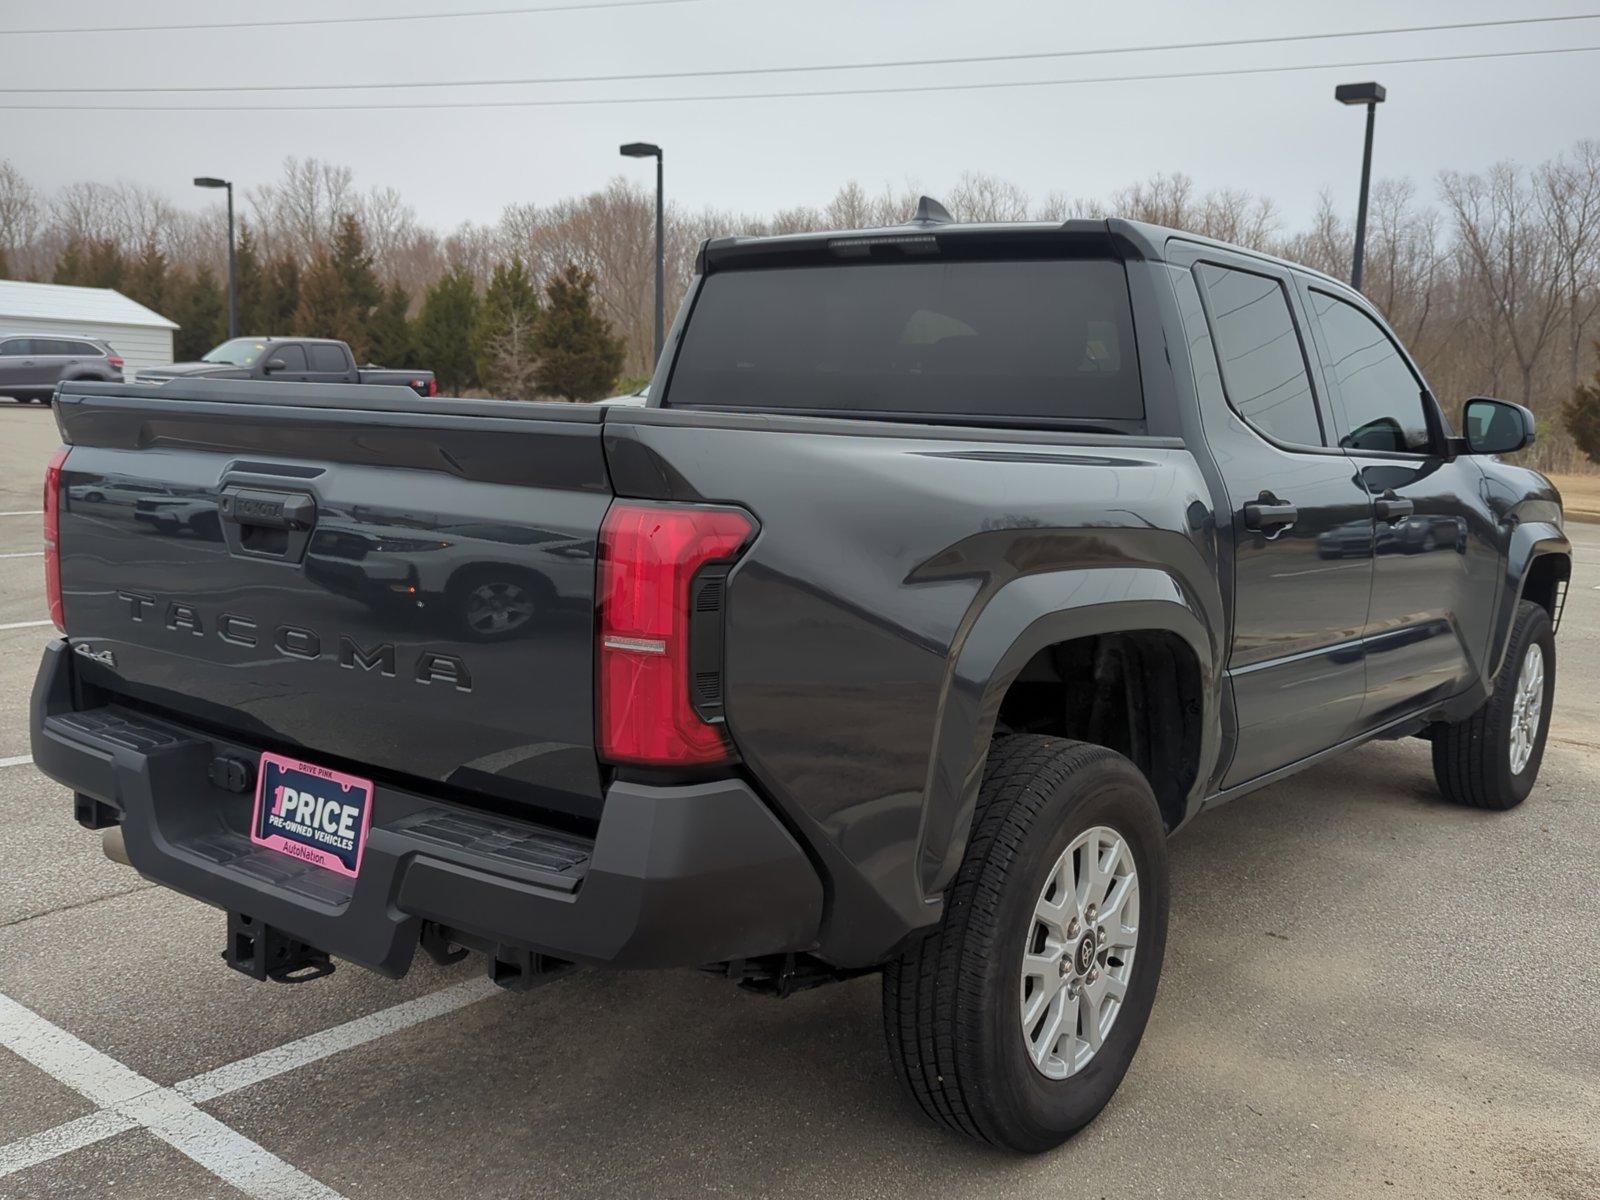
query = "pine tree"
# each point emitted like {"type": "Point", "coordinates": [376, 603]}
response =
{"type": "Point", "coordinates": [390, 330]}
{"type": "Point", "coordinates": [146, 280]}
{"type": "Point", "coordinates": [200, 307]}
{"type": "Point", "coordinates": [1582, 416]}
{"type": "Point", "coordinates": [326, 309]}
{"type": "Point", "coordinates": [280, 300]}
{"type": "Point", "coordinates": [69, 263]}
{"type": "Point", "coordinates": [444, 330]}
{"type": "Point", "coordinates": [250, 286]}
{"type": "Point", "coordinates": [578, 354]}
{"type": "Point", "coordinates": [502, 344]}
{"type": "Point", "coordinates": [105, 265]}
{"type": "Point", "coordinates": [340, 290]}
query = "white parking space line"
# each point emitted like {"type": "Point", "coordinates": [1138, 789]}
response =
{"type": "Point", "coordinates": [23, 554]}
{"type": "Point", "coordinates": [222, 1150]}
{"type": "Point", "coordinates": [17, 760]}
{"type": "Point", "coordinates": [128, 1100]}
{"type": "Point", "coordinates": [24, 512]}
{"type": "Point", "coordinates": [317, 1046]}
{"type": "Point", "coordinates": [23, 624]}
{"type": "Point", "coordinates": [63, 1139]}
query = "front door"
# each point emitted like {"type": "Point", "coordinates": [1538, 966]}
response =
{"type": "Point", "coordinates": [1437, 550]}
{"type": "Point", "coordinates": [1300, 522]}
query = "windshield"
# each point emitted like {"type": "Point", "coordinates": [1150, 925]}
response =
{"type": "Point", "coordinates": [240, 352]}
{"type": "Point", "coordinates": [1019, 339]}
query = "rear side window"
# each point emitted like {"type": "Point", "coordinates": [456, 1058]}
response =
{"type": "Point", "coordinates": [1023, 339]}
{"type": "Point", "coordinates": [326, 358]}
{"type": "Point", "coordinates": [1263, 364]}
{"type": "Point", "coordinates": [16, 348]}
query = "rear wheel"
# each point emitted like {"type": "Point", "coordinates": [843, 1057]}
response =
{"type": "Point", "coordinates": [1491, 758]}
{"type": "Point", "coordinates": [1016, 1019]}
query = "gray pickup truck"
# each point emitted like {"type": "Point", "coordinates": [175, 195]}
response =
{"type": "Point", "coordinates": [288, 360]}
{"type": "Point", "coordinates": [946, 572]}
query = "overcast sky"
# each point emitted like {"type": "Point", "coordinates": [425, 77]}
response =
{"type": "Point", "coordinates": [1277, 134]}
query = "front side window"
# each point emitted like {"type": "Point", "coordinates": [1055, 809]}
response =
{"type": "Point", "coordinates": [1050, 339]}
{"type": "Point", "coordinates": [292, 356]}
{"type": "Point", "coordinates": [16, 348]}
{"type": "Point", "coordinates": [1382, 398]}
{"type": "Point", "coordinates": [1263, 365]}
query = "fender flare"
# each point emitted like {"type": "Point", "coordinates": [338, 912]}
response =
{"type": "Point", "coordinates": [1529, 542]}
{"type": "Point", "coordinates": [1021, 618]}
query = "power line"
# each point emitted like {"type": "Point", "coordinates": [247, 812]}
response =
{"type": "Point", "coordinates": [287, 21]}
{"type": "Point", "coordinates": [904, 89]}
{"type": "Point", "coordinates": [964, 60]}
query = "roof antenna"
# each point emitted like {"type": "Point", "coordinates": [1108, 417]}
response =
{"type": "Point", "coordinates": [930, 212]}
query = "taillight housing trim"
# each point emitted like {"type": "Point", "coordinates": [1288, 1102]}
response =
{"type": "Point", "coordinates": [650, 555]}
{"type": "Point", "coordinates": [52, 537]}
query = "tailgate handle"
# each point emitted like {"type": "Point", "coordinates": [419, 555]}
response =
{"type": "Point", "coordinates": [267, 524]}
{"type": "Point", "coordinates": [270, 510]}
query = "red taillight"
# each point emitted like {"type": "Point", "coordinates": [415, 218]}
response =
{"type": "Point", "coordinates": [52, 537]}
{"type": "Point", "coordinates": [649, 555]}
{"type": "Point", "coordinates": [114, 361]}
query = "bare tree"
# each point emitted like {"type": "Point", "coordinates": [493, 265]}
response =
{"type": "Point", "coordinates": [21, 218]}
{"type": "Point", "coordinates": [1568, 191]}
{"type": "Point", "coordinates": [1512, 256]}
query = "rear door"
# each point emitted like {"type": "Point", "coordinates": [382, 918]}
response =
{"type": "Point", "coordinates": [1436, 550]}
{"type": "Point", "coordinates": [1300, 522]}
{"type": "Point", "coordinates": [328, 362]}
{"type": "Point", "coordinates": [306, 570]}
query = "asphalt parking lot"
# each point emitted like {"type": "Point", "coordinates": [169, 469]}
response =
{"type": "Point", "coordinates": [1367, 993]}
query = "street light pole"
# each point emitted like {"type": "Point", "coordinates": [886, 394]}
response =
{"type": "Point", "coordinates": [207, 181]}
{"type": "Point", "coordinates": [1371, 95]}
{"type": "Point", "coordinates": [646, 150]}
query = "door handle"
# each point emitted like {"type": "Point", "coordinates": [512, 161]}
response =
{"type": "Point", "coordinates": [1269, 513]}
{"type": "Point", "coordinates": [1390, 507]}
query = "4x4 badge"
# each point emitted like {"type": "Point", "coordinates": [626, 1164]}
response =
{"type": "Point", "coordinates": [99, 656]}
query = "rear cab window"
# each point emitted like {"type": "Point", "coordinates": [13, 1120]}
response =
{"type": "Point", "coordinates": [1040, 341]}
{"type": "Point", "coordinates": [1264, 370]}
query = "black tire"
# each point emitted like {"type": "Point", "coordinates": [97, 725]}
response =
{"type": "Point", "coordinates": [951, 1002]}
{"type": "Point", "coordinates": [1472, 757]}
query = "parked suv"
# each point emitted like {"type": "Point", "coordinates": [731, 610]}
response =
{"type": "Point", "coordinates": [945, 572]}
{"type": "Point", "coordinates": [31, 365]}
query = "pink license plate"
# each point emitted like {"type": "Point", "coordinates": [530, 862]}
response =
{"type": "Point", "coordinates": [311, 813]}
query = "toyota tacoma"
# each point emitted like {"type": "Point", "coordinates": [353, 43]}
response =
{"type": "Point", "coordinates": [947, 571]}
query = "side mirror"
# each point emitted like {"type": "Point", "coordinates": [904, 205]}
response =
{"type": "Point", "coordinates": [1496, 426]}
{"type": "Point", "coordinates": [275, 364]}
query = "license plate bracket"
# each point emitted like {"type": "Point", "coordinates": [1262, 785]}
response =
{"type": "Point", "coordinates": [312, 813]}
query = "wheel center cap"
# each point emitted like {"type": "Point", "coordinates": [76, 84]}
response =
{"type": "Point", "coordinates": [1084, 958]}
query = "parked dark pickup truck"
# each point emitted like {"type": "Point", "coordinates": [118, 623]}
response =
{"type": "Point", "coordinates": [288, 360]}
{"type": "Point", "coordinates": [946, 572]}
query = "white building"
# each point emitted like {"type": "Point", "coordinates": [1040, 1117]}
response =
{"type": "Point", "coordinates": [143, 338]}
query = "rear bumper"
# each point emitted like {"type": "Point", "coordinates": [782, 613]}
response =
{"type": "Point", "coordinates": [675, 876]}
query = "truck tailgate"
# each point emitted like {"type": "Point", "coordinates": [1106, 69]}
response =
{"type": "Point", "coordinates": [396, 584]}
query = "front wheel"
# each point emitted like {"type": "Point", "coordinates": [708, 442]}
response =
{"type": "Point", "coordinates": [1491, 758]}
{"type": "Point", "coordinates": [1017, 1017]}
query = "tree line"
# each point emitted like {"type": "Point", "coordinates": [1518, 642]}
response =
{"type": "Point", "coordinates": [1492, 279]}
